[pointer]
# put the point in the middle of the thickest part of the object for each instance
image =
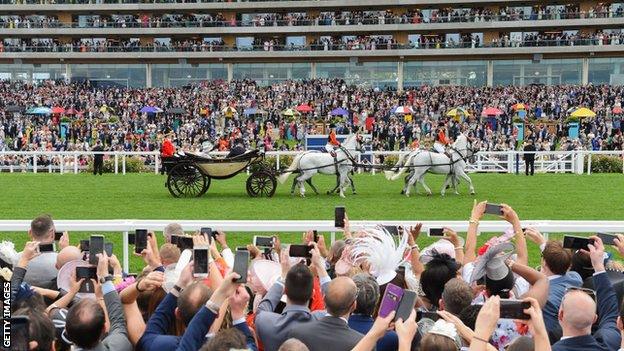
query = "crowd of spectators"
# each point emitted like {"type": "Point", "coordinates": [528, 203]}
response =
{"type": "Point", "coordinates": [413, 16]}
{"type": "Point", "coordinates": [112, 116]}
{"type": "Point", "coordinates": [336, 298]}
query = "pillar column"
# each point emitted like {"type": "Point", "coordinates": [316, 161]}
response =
{"type": "Point", "coordinates": [312, 70]}
{"type": "Point", "coordinates": [585, 72]}
{"type": "Point", "coordinates": [549, 75]}
{"type": "Point", "coordinates": [68, 72]}
{"type": "Point", "coordinates": [489, 73]}
{"type": "Point", "coordinates": [521, 75]}
{"type": "Point", "coordinates": [400, 76]}
{"type": "Point", "coordinates": [230, 71]}
{"type": "Point", "coordinates": [148, 75]}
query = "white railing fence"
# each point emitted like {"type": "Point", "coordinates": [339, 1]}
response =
{"type": "Point", "coordinates": [488, 161]}
{"type": "Point", "coordinates": [123, 227]}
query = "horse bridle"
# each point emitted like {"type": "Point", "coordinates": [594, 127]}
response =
{"type": "Point", "coordinates": [354, 162]}
{"type": "Point", "coordinates": [464, 158]}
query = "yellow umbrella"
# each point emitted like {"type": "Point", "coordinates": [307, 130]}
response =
{"type": "Point", "coordinates": [290, 112]}
{"type": "Point", "coordinates": [583, 112]}
{"type": "Point", "coordinates": [456, 112]}
{"type": "Point", "coordinates": [105, 108]}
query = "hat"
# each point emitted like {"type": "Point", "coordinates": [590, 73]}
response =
{"type": "Point", "coordinates": [378, 248]}
{"type": "Point", "coordinates": [443, 328]}
{"type": "Point", "coordinates": [492, 263]}
{"type": "Point", "coordinates": [441, 246]}
{"type": "Point", "coordinates": [263, 274]}
{"type": "Point", "coordinates": [8, 255]}
{"type": "Point", "coordinates": [64, 277]}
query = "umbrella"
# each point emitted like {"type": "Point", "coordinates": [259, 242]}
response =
{"type": "Point", "coordinates": [616, 110]}
{"type": "Point", "coordinates": [491, 111]}
{"type": "Point", "coordinates": [229, 110]}
{"type": "Point", "coordinates": [520, 106]}
{"type": "Point", "coordinates": [176, 111]}
{"type": "Point", "coordinates": [304, 108]}
{"type": "Point", "coordinates": [582, 112]}
{"type": "Point", "coordinates": [290, 112]}
{"type": "Point", "coordinates": [403, 110]}
{"type": "Point", "coordinates": [106, 108]}
{"type": "Point", "coordinates": [457, 112]}
{"type": "Point", "coordinates": [150, 109]}
{"type": "Point", "coordinates": [38, 111]}
{"type": "Point", "coordinates": [339, 111]}
{"type": "Point", "coordinates": [58, 110]}
{"type": "Point", "coordinates": [14, 108]}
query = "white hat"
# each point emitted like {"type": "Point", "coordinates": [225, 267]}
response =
{"type": "Point", "coordinates": [379, 249]}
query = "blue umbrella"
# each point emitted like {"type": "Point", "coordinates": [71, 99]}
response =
{"type": "Point", "coordinates": [41, 110]}
{"type": "Point", "coordinates": [250, 111]}
{"type": "Point", "coordinates": [339, 112]}
{"type": "Point", "coordinates": [150, 109]}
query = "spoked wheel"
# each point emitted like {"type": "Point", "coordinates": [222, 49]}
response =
{"type": "Point", "coordinates": [186, 180]}
{"type": "Point", "coordinates": [261, 184]}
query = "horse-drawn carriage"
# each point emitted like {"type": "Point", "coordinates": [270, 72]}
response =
{"type": "Point", "coordinates": [189, 174]}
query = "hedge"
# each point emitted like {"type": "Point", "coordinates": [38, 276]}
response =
{"type": "Point", "coordinates": [133, 165]}
{"type": "Point", "coordinates": [605, 164]}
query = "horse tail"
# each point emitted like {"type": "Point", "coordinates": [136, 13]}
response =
{"type": "Point", "coordinates": [390, 175]}
{"type": "Point", "coordinates": [405, 167]}
{"type": "Point", "coordinates": [293, 167]}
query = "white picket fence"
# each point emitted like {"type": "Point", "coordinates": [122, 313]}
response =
{"type": "Point", "coordinates": [482, 162]}
{"type": "Point", "coordinates": [124, 226]}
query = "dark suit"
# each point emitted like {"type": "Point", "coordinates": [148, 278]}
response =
{"type": "Point", "coordinates": [529, 159]}
{"type": "Point", "coordinates": [98, 160]}
{"type": "Point", "coordinates": [363, 324]}
{"type": "Point", "coordinates": [328, 333]}
{"type": "Point", "coordinates": [607, 336]}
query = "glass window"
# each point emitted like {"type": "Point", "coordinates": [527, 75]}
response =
{"type": "Point", "coordinates": [466, 73]}
{"type": "Point", "coordinates": [269, 73]}
{"type": "Point", "coordinates": [33, 73]}
{"type": "Point", "coordinates": [369, 74]}
{"type": "Point", "coordinates": [606, 71]}
{"type": "Point", "coordinates": [174, 75]}
{"type": "Point", "coordinates": [120, 75]}
{"type": "Point", "coordinates": [546, 72]}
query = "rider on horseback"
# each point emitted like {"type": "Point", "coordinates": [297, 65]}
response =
{"type": "Point", "coordinates": [441, 141]}
{"type": "Point", "coordinates": [333, 144]}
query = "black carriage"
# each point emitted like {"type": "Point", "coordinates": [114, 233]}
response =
{"type": "Point", "coordinates": [189, 174]}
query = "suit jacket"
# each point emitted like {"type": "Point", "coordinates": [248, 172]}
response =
{"type": "Point", "coordinates": [328, 333]}
{"type": "Point", "coordinates": [272, 328]}
{"type": "Point", "coordinates": [529, 152]}
{"type": "Point", "coordinates": [363, 324]}
{"type": "Point", "coordinates": [155, 337]}
{"type": "Point", "coordinates": [607, 336]}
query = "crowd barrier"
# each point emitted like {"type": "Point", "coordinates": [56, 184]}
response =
{"type": "Point", "coordinates": [576, 162]}
{"type": "Point", "coordinates": [125, 226]}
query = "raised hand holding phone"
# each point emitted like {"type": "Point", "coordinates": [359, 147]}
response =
{"type": "Point", "coordinates": [31, 250]}
{"type": "Point", "coordinates": [596, 254]}
{"type": "Point", "coordinates": [619, 243]}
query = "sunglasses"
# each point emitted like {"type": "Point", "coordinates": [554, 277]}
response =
{"type": "Point", "coordinates": [589, 292]}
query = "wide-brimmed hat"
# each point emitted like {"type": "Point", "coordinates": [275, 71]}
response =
{"type": "Point", "coordinates": [64, 277]}
{"type": "Point", "coordinates": [263, 274]}
{"type": "Point", "coordinates": [492, 263]}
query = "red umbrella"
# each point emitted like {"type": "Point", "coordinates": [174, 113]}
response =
{"type": "Point", "coordinates": [617, 110]}
{"type": "Point", "coordinates": [57, 110]}
{"type": "Point", "coordinates": [304, 108]}
{"type": "Point", "coordinates": [491, 111]}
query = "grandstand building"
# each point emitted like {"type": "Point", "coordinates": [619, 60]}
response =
{"type": "Point", "coordinates": [379, 43]}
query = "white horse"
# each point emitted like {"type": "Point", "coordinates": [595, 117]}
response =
{"type": "Point", "coordinates": [419, 162]}
{"type": "Point", "coordinates": [309, 163]}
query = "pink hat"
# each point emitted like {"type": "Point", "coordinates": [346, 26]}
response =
{"type": "Point", "coordinates": [441, 246]}
{"type": "Point", "coordinates": [64, 277]}
{"type": "Point", "coordinates": [263, 274]}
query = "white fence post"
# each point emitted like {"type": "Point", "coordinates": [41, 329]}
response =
{"type": "Point", "coordinates": [373, 170]}
{"type": "Point", "coordinates": [35, 163]}
{"type": "Point", "coordinates": [116, 162]}
{"type": "Point", "coordinates": [123, 164]}
{"type": "Point", "coordinates": [277, 162]}
{"type": "Point", "coordinates": [589, 162]}
{"type": "Point", "coordinates": [126, 260]}
{"type": "Point", "coordinates": [75, 163]}
{"type": "Point", "coordinates": [156, 163]}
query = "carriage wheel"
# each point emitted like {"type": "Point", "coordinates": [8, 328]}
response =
{"type": "Point", "coordinates": [261, 184]}
{"type": "Point", "coordinates": [186, 180]}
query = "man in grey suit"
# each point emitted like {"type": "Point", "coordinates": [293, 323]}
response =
{"type": "Point", "coordinates": [297, 283]}
{"type": "Point", "coordinates": [85, 320]}
{"type": "Point", "coordinates": [332, 332]}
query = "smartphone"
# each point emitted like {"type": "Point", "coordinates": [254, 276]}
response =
{"type": "Point", "coordinates": [20, 333]}
{"type": "Point", "coordinates": [184, 243]}
{"type": "Point", "coordinates": [392, 229]}
{"type": "Point", "coordinates": [84, 245]}
{"type": "Point", "coordinates": [316, 236]}
{"type": "Point", "coordinates": [47, 247]}
{"type": "Point", "coordinates": [607, 239]}
{"type": "Point", "coordinates": [576, 242]}
{"type": "Point", "coordinates": [88, 273]}
{"type": "Point", "coordinates": [494, 209]}
{"type": "Point", "coordinates": [241, 264]}
{"type": "Point", "coordinates": [434, 316]}
{"type": "Point", "coordinates": [339, 216]}
{"type": "Point", "coordinates": [390, 300]}
{"type": "Point", "coordinates": [241, 248]}
{"type": "Point", "coordinates": [208, 232]}
{"type": "Point", "coordinates": [96, 246]}
{"type": "Point", "coordinates": [406, 306]}
{"type": "Point", "coordinates": [300, 251]}
{"type": "Point", "coordinates": [263, 241]}
{"type": "Point", "coordinates": [200, 261]}
{"type": "Point", "coordinates": [513, 309]}
{"type": "Point", "coordinates": [174, 240]}
{"type": "Point", "coordinates": [131, 238]}
{"type": "Point", "coordinates": [57, 236]}
{"type": "Point", "coordinates": [108, 248]}
{"type": "Point", "coordinates": [436, 232]}
{"type": "Point", "coordinates": [140, 241]}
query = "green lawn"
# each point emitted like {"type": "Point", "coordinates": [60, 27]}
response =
{"type": "Point", "coordinates": [144, 196]}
